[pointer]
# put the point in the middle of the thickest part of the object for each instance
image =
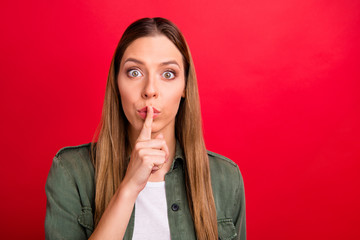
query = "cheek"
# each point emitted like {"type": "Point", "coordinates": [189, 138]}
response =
{"type": "Point", "coordinates": [126, 102]}
{"type": "Point", "coordinates": [125, 94]}
{"type": "Point", "coordinates": [173, 100]}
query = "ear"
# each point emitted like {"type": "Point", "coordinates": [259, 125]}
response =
{"type": "Point", "coordinates": [183, 94]}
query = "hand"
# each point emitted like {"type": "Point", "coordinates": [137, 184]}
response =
{"type": "Point", "coordinates": [148, 155]}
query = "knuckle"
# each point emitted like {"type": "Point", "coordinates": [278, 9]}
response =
{"type": "Point", "coordinates": [137, 147]}
{"type": "Point", "coordinates": [162, 141]}
{"type": "Point", "coordinates": [145, 158]}
{"type": "Point", "coordinates": [141, 152]}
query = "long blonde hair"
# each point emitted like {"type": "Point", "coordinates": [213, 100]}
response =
{"type": "Point", "coordinates": [110, 146]}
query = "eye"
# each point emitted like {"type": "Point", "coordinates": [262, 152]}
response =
{"type": "Point", "coordinates": [133, 73]}
{"type": "Point", "coordinates": [169, 74]}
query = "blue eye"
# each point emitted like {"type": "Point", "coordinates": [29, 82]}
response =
{"type": "Point", "coordinates": [134, 73]}
{"type": "Point", "coordinates": [169, 75]}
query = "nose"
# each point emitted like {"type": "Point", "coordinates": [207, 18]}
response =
{"type": "Point", "coordinates": [150, 89]}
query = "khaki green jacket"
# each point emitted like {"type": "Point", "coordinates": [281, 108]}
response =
{"type": "Point", "coordinates": [70, 195]}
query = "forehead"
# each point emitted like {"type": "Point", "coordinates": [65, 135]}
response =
{"type": "Point", "coordinates": [153, 50]}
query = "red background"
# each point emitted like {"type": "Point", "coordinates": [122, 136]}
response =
{"type": "Point", "coordinates": [279, 88]}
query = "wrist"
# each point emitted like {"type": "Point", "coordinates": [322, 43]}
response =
{"type": "Point", "coordinates": [127, 191]}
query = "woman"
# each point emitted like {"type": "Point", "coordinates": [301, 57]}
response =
{"type": "Point", "coordinates": [147, 175]}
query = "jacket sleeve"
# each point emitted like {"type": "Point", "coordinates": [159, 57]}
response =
{"type": "Point", "coordinates": [63, 207]}
{"type": "Point", "coordinates": [240, 223]}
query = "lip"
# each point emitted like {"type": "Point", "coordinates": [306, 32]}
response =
{"type": "Point", "coordinates": [143, 112]}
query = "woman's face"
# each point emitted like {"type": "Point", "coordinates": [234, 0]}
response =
{"type": "Point", "coordinates": [151, 74]}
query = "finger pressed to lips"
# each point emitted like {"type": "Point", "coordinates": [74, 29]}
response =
{"type": "Point", "coordinates": [145, 133]}
{"type": "Point", "coordinates": [143, 113]}
{"type": "Point", "coordinates": [152, 151]}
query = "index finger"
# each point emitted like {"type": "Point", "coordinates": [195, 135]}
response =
{"type": "Point", "coordinates": [145, 133]}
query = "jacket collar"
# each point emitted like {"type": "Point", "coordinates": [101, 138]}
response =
{"type": "Point", "coordinates": [179, 156]}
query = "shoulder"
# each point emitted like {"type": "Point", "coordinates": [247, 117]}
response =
{"type": "Point", "coordinates": [220, 158]}
{"type": "Point", "coordinates": [72, 170]}
{"type": "Point", "coordinates": [74, 157]}
{"type": "Point", "coordinates": [220, 164]}
{"type": "Point", "coordinates": [227, 186]}
{"type": "Point", "coordinates": [225, 173]}
{"type": "Point", "coordinates": [70, 192]}
{"type": "Point", "coordinates": [71, 152]}
{"type": "Point", "coordinates": [73, 163]}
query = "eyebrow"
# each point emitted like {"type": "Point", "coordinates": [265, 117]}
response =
{"type": "Point", "coordinates": [161, 64]}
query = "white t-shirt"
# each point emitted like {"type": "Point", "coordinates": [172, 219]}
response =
{"type": "Point", "coordinates": [151, 219]}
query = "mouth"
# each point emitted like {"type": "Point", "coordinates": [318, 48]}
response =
{"type": "Point", "coordinates": [143, 112]}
